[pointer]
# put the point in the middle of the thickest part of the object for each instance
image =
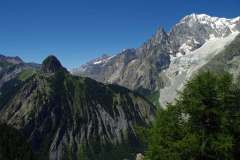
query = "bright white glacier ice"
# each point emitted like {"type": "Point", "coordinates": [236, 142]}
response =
{"type": "Point", "coordinates": [183, 67]}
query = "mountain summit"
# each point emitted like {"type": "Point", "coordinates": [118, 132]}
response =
{"type": "Point", "coordinates": [51, 65]}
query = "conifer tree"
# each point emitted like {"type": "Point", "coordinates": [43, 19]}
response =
{"type": "Point", "coordinates": [203, 123]}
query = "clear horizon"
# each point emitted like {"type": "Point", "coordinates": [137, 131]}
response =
{"type": "Point", "coordinates": [78, 31]}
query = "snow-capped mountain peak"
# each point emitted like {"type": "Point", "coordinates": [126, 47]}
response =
{"type": "Point", "coordinates": [216, 23]}
{"type": "Point", "coordinates": [196, 29]}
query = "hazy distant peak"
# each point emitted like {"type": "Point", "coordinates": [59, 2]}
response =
{"type": "Point", "coordinates": [13, 60]}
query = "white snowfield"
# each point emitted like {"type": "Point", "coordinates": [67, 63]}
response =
{"type": "Point", "coordinates": [183, 67]}
{"type": "Point", "coordinates": [216, 23]}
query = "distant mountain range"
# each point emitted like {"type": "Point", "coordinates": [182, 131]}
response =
{"type": "Point", "coordinates": [168, 59]}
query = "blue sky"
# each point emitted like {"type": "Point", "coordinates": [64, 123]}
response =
{"type": "Point", "coordinates": [79, 30]}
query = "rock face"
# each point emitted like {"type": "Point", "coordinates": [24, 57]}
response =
{"type": "Point", "coordinates": [13, 60]}
{"type": "Point", "coordinates": [51, 65]}
{"type": "Point", "coordinates": [228, 60]}
{"type": "Point", "coordinates": [139, 156]}
{"type": "Point", "coordinates": [142, 68]}
{"type": "Point", "coordinates": [11, 67]}
{"type": "Point", "coordinates": [67, 116]}
{"type": "Point", "coordinates": [135, 69]}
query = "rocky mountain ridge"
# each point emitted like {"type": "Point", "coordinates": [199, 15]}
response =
{"type": "Point", "coordinates": [13, 60]}
{"type": "Point", "coordinates": [140, 69]}
{"type": "Point", "coordinates": [67, 116]}
{"type": "Point", "coordinates": [12, 67]}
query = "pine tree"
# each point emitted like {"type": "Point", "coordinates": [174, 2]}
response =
{"type": "Point", "coordinates": [203, 123]}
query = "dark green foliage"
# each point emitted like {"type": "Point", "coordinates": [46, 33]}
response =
{"type": "Point", "coordinates": [204, 123]}
{"type": "Point", "coordinates": [116, 152]}
{"type": "Point", "coordinates": [82, 152]}
{"type": "Point", "coordinates": [154, 98]}
{"type": "Point", "coordinates": [26, 74]}
{"type": "Point", "coordinates": [8, 91]}
{"type": "Point", "coordinates": [13, 145]}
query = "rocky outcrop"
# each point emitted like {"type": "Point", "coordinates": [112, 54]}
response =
{"type": "Point", "coordinates": [140, 156]}
{"type": "Point", "coordinates": [51, 65]}
{"type": "Point", "coordinates": [228, 60]}
{"type": "Point", "coordinates": [11, 67]}
{"type": "Point", "coordinates": [67, 116]}
{"type": "Point", "coordinates": [12, 60]}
